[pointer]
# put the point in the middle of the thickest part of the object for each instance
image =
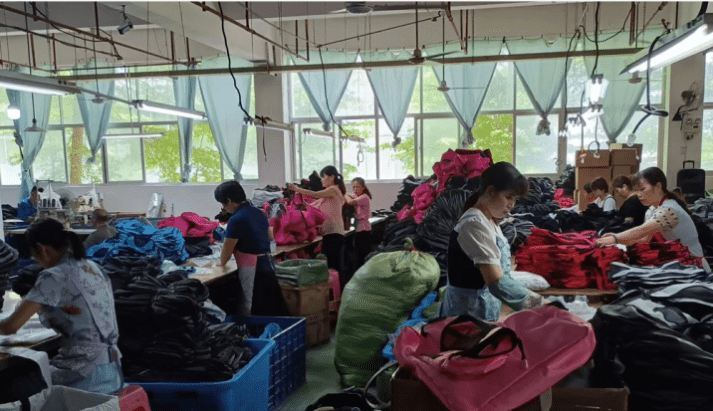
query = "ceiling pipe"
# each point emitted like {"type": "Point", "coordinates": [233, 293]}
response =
{"type": "Point", "coordinates": [52, 38]}
{"type": "Point", "coordinates": [350, 66]}
{"type": "Point", "coordinates": [453, 24]}
{"type": "Point", "coordinates": [249, 30]}
{"type": "Point", "coordinates": [89, 34]}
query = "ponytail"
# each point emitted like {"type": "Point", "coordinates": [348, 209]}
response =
{"type": "Point", "coordinates": [338, 178]}
{"type": "Point", "coordinates": [673, 196]}
{"type": "Point", "coordinates": [76, 244]}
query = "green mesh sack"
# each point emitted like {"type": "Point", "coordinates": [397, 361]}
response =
{"type": "Point", "coordinates": [375, 302]}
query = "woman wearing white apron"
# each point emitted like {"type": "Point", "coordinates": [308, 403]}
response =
{"type": "Point", "coordinates": [479, 263]}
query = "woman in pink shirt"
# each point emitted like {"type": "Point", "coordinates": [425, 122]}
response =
{"type": "Point", "coordinates": [330, 200]}
{"type": "Point", "coordinates": [360, 198]}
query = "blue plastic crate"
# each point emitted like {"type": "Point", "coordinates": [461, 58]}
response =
{"type": "Point", "coordinates": [288, 364]}
{"type": "Point", "coordinates": [246, 391]}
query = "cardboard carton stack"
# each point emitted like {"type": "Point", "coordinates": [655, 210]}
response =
{"type": "Point", "coordinates": [620, 160]}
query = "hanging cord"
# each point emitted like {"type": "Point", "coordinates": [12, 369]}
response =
{"type": "Point", "coordinates": [326, 97]}
{"type": "Point", "coordinates": [230, 68]}
{"type": "Point", "coordinates": [623, 28]}
{"type": "Point", "coordinates": [650, 111]}
{"type": "Point", "coordinates": [596, 38]}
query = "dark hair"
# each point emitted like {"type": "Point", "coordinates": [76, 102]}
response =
{"type": "Point", "coordinates": [655, 175]}
{"type": "Point", "coordinates": [338, 178]}
{"type": "Point", "coordinates": [52, 233]}
{"type": "Point", "coordinates": [588, 188]}
{"type": "Point", "coordinates": [100, 215]}
{"type": "Point", "coordinates": [230, 190]}
{"type": "Point", "coordinates": [503, 177]}
{"type": "Point", "coordinates": [363, 184]}
{"type": "Point", "coordinates": [600, 183]}
{"type": "Point", "coordinates": [621, 181]}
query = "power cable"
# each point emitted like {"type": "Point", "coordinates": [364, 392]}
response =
{"type": "Point", "coordinates": [650, 111]}
{"type": "Point", "coordinates": [230, 66]}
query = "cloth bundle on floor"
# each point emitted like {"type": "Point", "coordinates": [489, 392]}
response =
{"type": "Point", "coordinates": [374, 302]}
{"type": "Point", "coordinates": [191, 225]}
{"type": "Point", "coordinates": [568, 260]}
{"type": "Point", "coordinates": [423, 197]}
{"type": "Point", "coordinates": [138, 240]}
{"type": "Point", "coordinates": [634, 333]}
{"type": "Point", "coordinates": [566, 181]}
{"type": "Point", "coordinates": [165, 335]}
{"type": "Point", "coordinates": [463, 163]}
{"type": "Point", "coordinates": [659, 251]}
{"type": "Point", "coordinates": [564, 202]}
{"type": "Point", "coordinates": [633, 277]}
{"type": "Point", "coordinates": [297, 224]}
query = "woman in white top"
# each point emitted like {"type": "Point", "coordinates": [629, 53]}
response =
{"type": "Point", "coordinates": [604, 200]}
{"type": "Point", "coordinates": [668, 215]}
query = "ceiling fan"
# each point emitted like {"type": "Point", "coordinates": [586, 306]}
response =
{"type": "Point", "coordinates": [418, 57]}
{"type": "Point", "coordinates": [360, 7]}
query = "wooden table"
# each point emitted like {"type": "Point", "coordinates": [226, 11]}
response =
{"type": "Point", "coordinates": [593, 294]}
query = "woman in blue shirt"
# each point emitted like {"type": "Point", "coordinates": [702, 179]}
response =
{"type": "Point", "coordinates": [74, 297]}
{"type": "Point", "coordinates": [247, 238]}
{"type": "Point", "coordinates": [28, 207]}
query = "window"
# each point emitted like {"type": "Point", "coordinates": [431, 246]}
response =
{"type": "Point", "coordinates": [50, 163]}
{"type": "Point", "coordinates": [356, 162]}
{"type": "Point", "coordinates": [707, 142]}
{"type": "Point", "coordinates": [123, 158]}
{"type": "Point", "coordinates": [358, 99]}
{"type": "Point", "coordinates": [495, 132]}
{"type": "Point", "coordinates": [501, 90]}
{"type": "Point", "coordinates": [205, 158]}
{"type": "Point", "coordinates": [10, 170]}
{"type": "Point", "coordinates": [396, 162]}
{"type": "Point", "coordinates": [316, 152]}
{"type": "Point", "coordinates": [250, 160]}
{"type": "Point", "coordinates": [162, 155]}
{"type": "Point", "coordinates": [77, 154]}
{"type": "Point", "coordinates": [434, 101]}
{"type": "Point", "coordinates": [535, 154]}
{"type": "Point", "coordinates": [439, 134]}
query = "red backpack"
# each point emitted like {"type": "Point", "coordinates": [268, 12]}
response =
{"type": "Point", "coordinates": [477, 366]}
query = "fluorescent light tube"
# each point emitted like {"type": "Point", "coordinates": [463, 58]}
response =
{"type": "Point", "coordinates": [695, 37]}
{"type": "Point", "coordinates": [597, 85]}
{"type": "Point", "coordinates": [268, 123]}
{"type": "Point", "coordinates": [13, 112]}
{"type": "Point", "coordinates": [166, 109]}
{"type": "Point", "coordinates": [315, 132]}
{"type": "Point", "coordinates": [36, 84]}
{"type": "Point", "coordinates": [130, 136]}
{"type": "Point", "coordinates": [354, 138]}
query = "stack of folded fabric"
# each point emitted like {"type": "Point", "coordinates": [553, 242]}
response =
{"type": "Point", "coordinates": [463, 163]}
{"type": "Point", "coordinates": [568, 260]}
{"type": "Point", "coordinates": [516, 230]}
{"type": "Point", "coordinates": [136, 239]}
{"type": "Point", "coordinates": [423, 197]}
{"type": "Point", "coordinates": [435, 228]}
{"type": "Point", "coordinates": [630, 277]}
{"type": "Point", "coordinates": [165, 334]}
{"type": "Point", "coordinates": [122, 270]}
{"type": "Point", "coordinates": [659, 251]}
{"type": "Point", "coordinates": [539, 201]}
{"type": "Point", "coordinates": [191, 225]}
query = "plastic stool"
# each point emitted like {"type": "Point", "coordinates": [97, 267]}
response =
{"type": "Point", "coordinates": [133, 398]}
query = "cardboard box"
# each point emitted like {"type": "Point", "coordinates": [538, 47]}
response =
{"type": "Point", "coordinates": [582, 200]}
{"type": "Point", "coordinates": [317, 328]}
{"type": "Point", "coordinates": [617, 171]}
{"type": "Point", "coordinates": [409, 394]}
{"type": "Point", "coordinates": [308, 300]}
{"type": "Point", "coordinates": [638, 147]}
{"type": "Point", "coordinates": [624, 157]}
{"type": "Point", "coordinates": [587, 159]}
{"type": "Point", "coordinates": [583, 175]}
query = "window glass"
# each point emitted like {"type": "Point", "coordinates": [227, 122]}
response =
{"type": "Point", "coordinates": [648, 135]}
{"type": "Point", "coordinates": [70, 109]}
{"type": "Point", "coordinates": [50, 162]}
{"type": "Point", "coordinates": [156, 89]}
{"type": "Point", "coordinates": [708, 93]}
{"type": "Point", "coordinates": [397, 162]}
{"type": "Point", "coordinates": [574, 139]}
{"type": "Point", "coordinates": [4, 103]}
{"type": "Point", "coordinates": [523, 100]}
{"type": "Point", "coordinates": [316, 151]}
{"type": "Point", "coordinates": [656, 86]}
{"type": "Point", "coordinates": [494, 132]}
{"type": "Point", "coordinates": [707, 143]}
{"type": "Point", "coordinates": [536, 154]}
{"type": "Point", "coordinates": [77, 154]}
{"type": "Point", "coordinates": [301, 105]}
{"type": "Point", "coordinates": [123, 157]}
{"type": "Point", "coordinates": [122, 113]}
{"type": "Point", "coordinates": [414, 106]}
{"type": "Point", "coordinates": [577, 78]}
{"type": "Point", "coordinates": [10, 170]}
{"type": "Point", "coordinates": [358, 98]}
{"type": "Point", "coordinates": [162, 155]}
{"type": "Point", "coordinates": [55, 115]}
{"type": "Point", "coordinates": [434, 101]}
{"type": "Point", "coordinates": [250, 160]}
{"type": "Point", "coordinates": [500, 93]}
{"type": "Point", "coordinates": [438, 136]}
{"type": "Point", "coordinates": [205, 159]}
{"type": "Point", "coordinates": [355, 163]}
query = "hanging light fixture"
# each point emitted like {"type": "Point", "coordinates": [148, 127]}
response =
{"type": "Point", "coordinates": [166, 109]}
{"type": "Point", "coordinates": [13, 112]}
{"type": "Point", "coordinates": [315, 132]}
{"type": "Point", "coordinates": [34, 128]}
{"type": "Point", "coordinates": [597, 88]}
{"type": "Point", "coordinates": [268, 123]}
{"type": "Point", "coordinates": [122, 136]}
{"type": "Point", "coordinates": [35, 84]}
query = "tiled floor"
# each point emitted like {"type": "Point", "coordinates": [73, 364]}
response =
{"type": "Point", "coordinates": [322, 378]}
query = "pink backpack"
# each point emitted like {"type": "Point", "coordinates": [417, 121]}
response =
{"type": "Point", "coordinates": [477, 366]}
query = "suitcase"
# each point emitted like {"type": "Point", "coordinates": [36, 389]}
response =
{"type": "Point", "coordinates": [692, 182]}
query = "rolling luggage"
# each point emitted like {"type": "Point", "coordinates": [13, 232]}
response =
{"type": "Point", "coordinates": [692, 182]}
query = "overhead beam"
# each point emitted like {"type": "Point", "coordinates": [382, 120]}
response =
{"type": "Point", "coordinates": [89, 34]}
{"type": "Point", "coordinates": [351, 66]}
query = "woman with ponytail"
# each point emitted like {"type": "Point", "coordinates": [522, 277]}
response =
{"type": "Point", "coordinates": [330, 201]}
{"type": "Point", "coordinates": [74, 297]}
{"type": "Point", "coordinates": [360, 198]}
{"type": "Point", "coordinates": [668, 215]}
{"type": "Point", "coordinates": [479, 262]}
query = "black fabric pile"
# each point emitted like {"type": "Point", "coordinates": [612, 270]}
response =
{"type": "Point", "coordinates": [404, 197]}
{"type": "Point", "coordinates": [9, 212]}
{"type": "Point", "coordinates": [658, 344]}
{"type": "Point", "coordinates": [396, 233]}
{"type": "Point", "coordinates": [599, 219]}
{"type": "Point", "coordinates": [540, 200]}
{"type": "Point", "coordinates": [566, 181]}
{"type": "Point", "coordinates": [122, 270]}
{"type": "Point", "coordinates": [436, 226]}
{"type": "Point", "coordinates": [165, 335]}
{"type": "Point", "coordinates": [26, 279]}
{"type": "Point", "coordinates": [703, 207]}
{"type": "Point", "coordinates": [647, 278]}
{"type": "Point", "coordinates": [516, 230]}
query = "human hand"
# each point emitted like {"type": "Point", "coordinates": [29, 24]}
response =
{"type": "Point", "coordinates": [291, 187]}
{"type": "Point", "coordinates": [605, 241]}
